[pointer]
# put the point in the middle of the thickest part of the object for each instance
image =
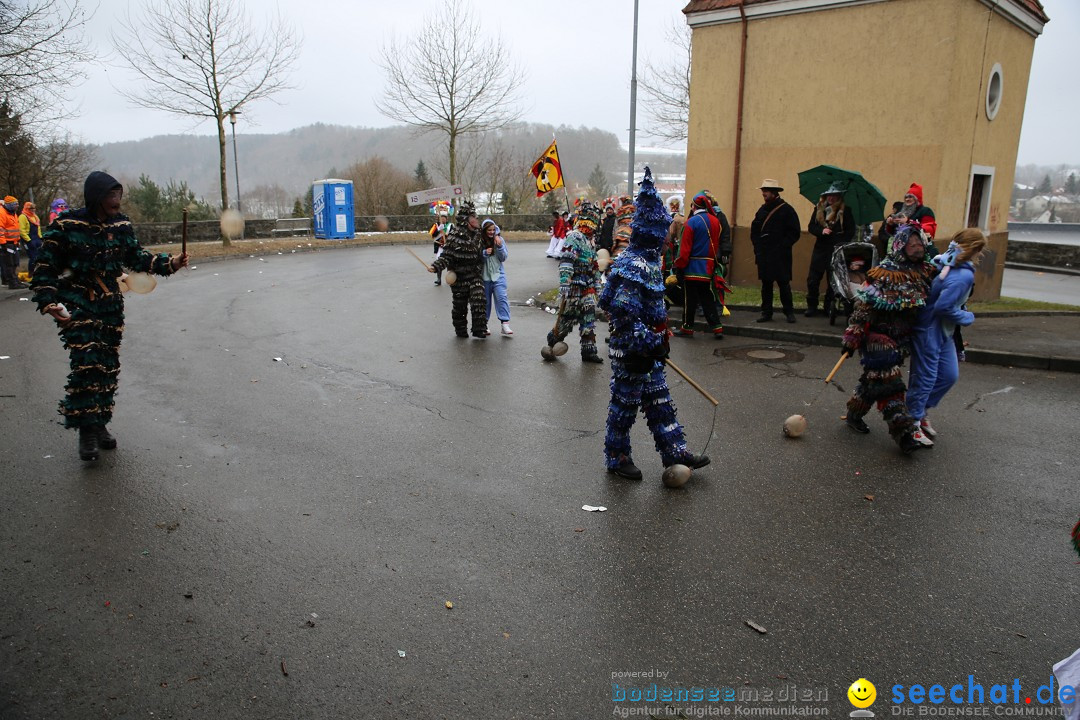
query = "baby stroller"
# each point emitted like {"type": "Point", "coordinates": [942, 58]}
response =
{"type": "Point", "coordinates": [848, 272]}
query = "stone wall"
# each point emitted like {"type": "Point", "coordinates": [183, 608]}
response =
{"type": "Point", "coordinates": [1044, 254]}
{"type": "Point", "coordinates": [210, 230]}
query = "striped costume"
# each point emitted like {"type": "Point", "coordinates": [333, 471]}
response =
{"type": "Point", "coordinates": [80, 260]}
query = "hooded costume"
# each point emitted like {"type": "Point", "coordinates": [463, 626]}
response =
{"type": "Point", "coordinates": [462, 254]}
{"type": "Point", "coordinates": [634, 300]}
{"type": "Point", "coordinates": [880, 328]}
{"type": "Point", "coordinates": [81, 259]}
{"type": "Point", "coordinates": [579, 278]}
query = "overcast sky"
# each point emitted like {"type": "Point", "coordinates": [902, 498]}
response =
{"type": "Point", "coordinates": [577, 54]}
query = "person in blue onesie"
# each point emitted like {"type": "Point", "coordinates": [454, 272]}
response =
{"type": "Point", "coordinates": [934, 363]}
{"type": "Point", "coordinates": [634, 300]}
{"type": "Point", "coordinates": [495, 254]}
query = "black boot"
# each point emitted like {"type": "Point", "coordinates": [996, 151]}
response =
{"type": "Point", "coordinates": [106, 441]}
{"type": "Point", "coordinates": [88, 444]}
{"type": "Point", "coordinates": [696, 461]}
{"type": "Point", "coordinates": [626, 470]}
{"type": "Point", "coordinates": [591, 358]}
{"type": "Point", "coordinates": [857, 424]}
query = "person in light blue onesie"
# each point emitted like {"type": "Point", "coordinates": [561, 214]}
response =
{"type": "Point", "coordinates": [495, 254]}
{"type": "Point", "coordinates": [934, 366]}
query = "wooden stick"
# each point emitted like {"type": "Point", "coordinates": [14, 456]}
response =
{"type": "Point", "coordinates": [183, 234]}
{"type": "Point", "coordinates": [843, 357]}
{"type": "Point", "coordinates": [430, 269]}
{"type": "Point", "coordinates": [693, 384]}
{"type": "Point", "coordinates": [558, 316]}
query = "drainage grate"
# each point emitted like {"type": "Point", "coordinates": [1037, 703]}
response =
{"type": "Point", "coordinates": [761, 354]}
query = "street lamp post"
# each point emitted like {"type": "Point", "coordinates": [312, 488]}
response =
{"type": "Point", "coordinates": [236, 167]}
{"type": "Point", "coordinates": [633, 108]}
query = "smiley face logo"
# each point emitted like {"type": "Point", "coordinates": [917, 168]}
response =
{"type": "Point", "coordinates": [862, 693]}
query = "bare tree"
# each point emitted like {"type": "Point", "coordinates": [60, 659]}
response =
{"type": "Point", "coordinates": [451, 79]}
{"type": "Point", "coordinates": [205, 59]}
{"type": "Point", "coordinates": [667, 89]}
{"type": "Point", "coordinates": [380, 188]}
{"type": "Point", "coordinates": [33, 170]}
{"type": "Point", "coordinates": [42, 52]}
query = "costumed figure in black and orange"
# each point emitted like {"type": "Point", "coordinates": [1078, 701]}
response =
{"type": "Point", "coordinates": [463, 253]}
{"type": "Point", "coordinates": [77, 282]}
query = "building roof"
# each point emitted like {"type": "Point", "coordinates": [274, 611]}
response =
{"type": "Point", "coordinates": [1035, 8]}
{"type": "Point", "coordinates": [700, 5]}
{"type": "Point", "coordinates": [1032, 6]}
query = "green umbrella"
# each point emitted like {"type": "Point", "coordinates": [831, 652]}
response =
{"type": "Point", "coordinates": [867, 203]}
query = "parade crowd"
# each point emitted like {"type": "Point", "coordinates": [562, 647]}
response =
{"type": "Point", "coordinates": [624, 263]}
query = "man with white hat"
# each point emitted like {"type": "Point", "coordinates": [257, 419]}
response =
{"type": "Point", "coordinates": [773, 232]}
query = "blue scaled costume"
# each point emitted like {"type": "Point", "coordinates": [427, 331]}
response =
{"type": "Point", "coordinates": [579, 276]}
{"type": "Point", "coordinates": [634, 300]}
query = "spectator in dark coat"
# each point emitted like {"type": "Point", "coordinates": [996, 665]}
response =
{"type": "Point", "coordinates": [832, 224]}
{"type": "Point", "coordinates": [606, 237]}
{"type": "Point", "coordinates": [775, 229]}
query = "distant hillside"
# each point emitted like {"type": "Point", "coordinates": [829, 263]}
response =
{"type": "Point", "coordinates": [292, 160]}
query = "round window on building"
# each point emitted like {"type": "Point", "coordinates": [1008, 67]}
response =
{"type": "Point", "coordinates": [993, 92]}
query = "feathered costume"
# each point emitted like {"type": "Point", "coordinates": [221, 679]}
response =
{"type": "Point", "coordinates": [881, 328]}
{"type": "Point", "coordinates": [579, 278]}
{"type": "Point", "coordinates": [463, 254]}
{"type": "Point", "coordinates": [634, 300]}
{"type": "Point", "coordinates": [80, 260]}
{"type": "Point", "coordinates": [624, 216]}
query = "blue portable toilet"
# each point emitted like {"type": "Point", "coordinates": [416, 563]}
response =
{"type": "Point", "coordinates": [332, 206]}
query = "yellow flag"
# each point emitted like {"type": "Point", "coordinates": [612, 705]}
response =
{"type": "Point", "coordinates": [548, 171]}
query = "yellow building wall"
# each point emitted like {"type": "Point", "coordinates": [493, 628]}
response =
{"type": "Point", "coordinates": [843, 87]}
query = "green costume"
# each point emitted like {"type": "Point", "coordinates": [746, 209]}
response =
{"type": "Point", "coordinates": [80, 262]}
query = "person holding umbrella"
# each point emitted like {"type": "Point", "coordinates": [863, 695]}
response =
{"type": "Point", "coordinates": [832, 224]}
{"type": "Point", "coordinates": [775, 229]}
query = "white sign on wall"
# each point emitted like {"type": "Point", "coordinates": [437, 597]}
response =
{"type": "Point", "coordinates": [424, 197]}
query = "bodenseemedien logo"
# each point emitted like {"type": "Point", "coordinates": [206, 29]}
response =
{"type": "Point", "coordinates": [861, 694]}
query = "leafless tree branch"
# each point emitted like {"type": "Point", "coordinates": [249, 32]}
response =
{"type": "Point", "coordinates": [666, 89]}
{"type": "Point", "coordinates": [450, 79]}
{"type": "Point", "coordinates": [205, 59]}
{"type": "Point", "coordinates": [43, 52]}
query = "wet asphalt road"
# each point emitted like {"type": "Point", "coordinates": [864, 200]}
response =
{"type": "Point", "coordinates": [314, 515]}
{"type": "Point", "coordinates": [1044, 286]}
